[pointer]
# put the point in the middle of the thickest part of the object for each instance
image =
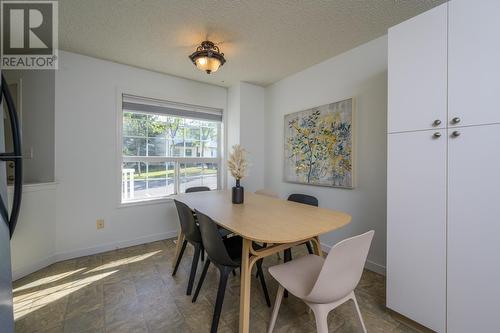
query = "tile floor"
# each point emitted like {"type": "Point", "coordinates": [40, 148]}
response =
{"type": "Point", "coordinates": [132, 290]}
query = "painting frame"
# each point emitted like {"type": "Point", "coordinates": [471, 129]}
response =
{"type": "Point", "coordinates": [352, 155]}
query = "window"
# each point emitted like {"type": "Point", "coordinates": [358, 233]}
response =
{"type": "Point", "coordinates": [167, 147]}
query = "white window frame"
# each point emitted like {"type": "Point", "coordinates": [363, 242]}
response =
{"type": "Point", "coordinates": [176, 160]}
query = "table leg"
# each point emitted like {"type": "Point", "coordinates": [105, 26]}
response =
{"type": "Point", "coordinates": [317, 246]}
{"type": "Point", "coordinates": [180, 240]}
{"type": "Point", "coordinates": [245, 287]}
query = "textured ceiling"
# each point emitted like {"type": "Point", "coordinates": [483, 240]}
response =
{"type": "Point", "coordinates": [263, 40]}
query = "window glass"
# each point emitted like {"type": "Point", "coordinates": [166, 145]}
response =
{"type": "Point", "coordinates": [158, 153]}
{"type": "Point", "coordinates": [147, 180]}
{"type": "Point", "coordinates": [198, 174]}
{"type": "Point", "coordinates": [134, 146]}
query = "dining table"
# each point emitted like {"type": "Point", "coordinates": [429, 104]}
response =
{"type": "Point", "coordinates": [281, 224]}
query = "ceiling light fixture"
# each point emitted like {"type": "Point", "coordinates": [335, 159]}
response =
{"type": "Point", "coordinates": [207, 57]}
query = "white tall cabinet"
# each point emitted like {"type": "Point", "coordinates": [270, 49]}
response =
{"type": "Point", "coordinates": [443, 227]}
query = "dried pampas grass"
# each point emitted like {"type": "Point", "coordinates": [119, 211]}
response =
{"type": "Point", "coordinates": [237, 163]}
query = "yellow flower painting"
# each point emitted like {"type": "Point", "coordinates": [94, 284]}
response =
{"type": "Point", "coordinates": [319, 145]}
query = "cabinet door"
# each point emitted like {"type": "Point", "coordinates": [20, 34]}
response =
{"type": "Point", "coordinates": [474, 62]}
{"type": "Point", "coordinates": [416, 227]}
{"type": "Point", "coordinates": [417, 60]}
{"type": "Point", "coordinates": [474, 230]}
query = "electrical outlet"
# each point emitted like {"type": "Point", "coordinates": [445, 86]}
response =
{"type": "Point", "coordinates": [100, 223]}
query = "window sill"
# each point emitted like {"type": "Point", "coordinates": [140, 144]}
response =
{"type": "Point", "coordinates": [147, 202]}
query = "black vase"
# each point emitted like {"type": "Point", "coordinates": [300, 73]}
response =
{"type": "Point", "coordinates": [238, 193]}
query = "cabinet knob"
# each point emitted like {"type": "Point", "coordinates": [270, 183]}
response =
{"type": "Point", "coordinates": [455, 134]}
{"type": "Point", "coordinates": [455, 120]}
{"type": "Point", "coordinates": [436, 122]}
{"type": "Point", "coordinates": [437, 135]}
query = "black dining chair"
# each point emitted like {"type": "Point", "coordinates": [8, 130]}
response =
{"type": "Point", "coordinates": [306, 200]}
{"type": "Point", "coordinates": [223, 232]}
{"type": "Point", "coordinates": [192, 235]}
{"type": "Point", "coordinates": [197, 189]}
{"type": "Point", "coordinates": [225, 254]}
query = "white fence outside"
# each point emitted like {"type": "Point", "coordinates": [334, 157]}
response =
{"type": "Point", "coordinates": [128, 184]}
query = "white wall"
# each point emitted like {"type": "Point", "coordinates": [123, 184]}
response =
{"type": "Point", "coordinates": [87, 163]}
{"type": "Point", "coordinates": [233, 124]}
{"type": "Point", "coordinates": [252, 133]}
{"type": "Point", "coordinates": [33, 242]}
{"type": "Point", "coordinates": [359, 73]}
{"type": "Point", "coordinates": [37, 122]}
{"type": "Point", "coordinates": [246, 117]}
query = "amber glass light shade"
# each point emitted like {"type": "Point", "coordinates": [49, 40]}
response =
{"type": "Point", "coordinates": [206, 64]}
{"type": "Point", "coordinates": [208, 57]}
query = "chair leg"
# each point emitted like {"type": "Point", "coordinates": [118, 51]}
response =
{"type": "Point", "coordinates": [194, 266]}
{"type": "Point", "coordinates": [202, 278]}
{"type": "Point", "coordinates": [359, 312]}
{"type": "Point", "coordinates": [179, 257]}
{"type": "Point", "coordinates": [309, 248]}
{"type": "Point", "coordinates": [260, 273]}
{"type": "Point", "coordinates": [321, 316]}
{"type": "Point", "coordinates": [264, 245]}
{"type": "Point", "coordinates": [277, 303]}
{"type": "Point", "coordinates": [224, 274]}
{"type": "Point", "coordinates": [287, 256]}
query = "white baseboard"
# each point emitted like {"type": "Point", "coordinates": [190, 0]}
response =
{"type": "Point", "coordinates": [21, 272]}
{"type": "Point", "coordinates": [113, 246]}
{"type": "Point", "coordinates": [369, 265]}
{"type": "Point", "coordinates": [375, 267]}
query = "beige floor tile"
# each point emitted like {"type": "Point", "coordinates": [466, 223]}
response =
{"type": "Point", "coordinates": [92, 320]}
{"type": "Point", "coordinates": [133, 290]}
{"type": "Point", "coordinates": [47, 316]}
{"type": "Point", "coordinates": [113, 315]}
{"type": "Point", "coordinates": [133, 325]}
{"type": "Point", "coordinates": [119, 293]}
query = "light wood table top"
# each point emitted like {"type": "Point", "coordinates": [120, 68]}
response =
{"type": "Point", "coordinates": [265, 219]}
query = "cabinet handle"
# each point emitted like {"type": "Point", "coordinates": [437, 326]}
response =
{"type": "Point", "coordinates": [436, 135]}
{"type": "Point", "coordinates": [436, 122]}
{"type": "Point", "coordinates": [455, 134]}
{"type": "Point", "coordinates": [455, 120]}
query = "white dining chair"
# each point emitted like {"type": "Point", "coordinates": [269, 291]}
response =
{"type": "Point", "coordinates": [324, 284]}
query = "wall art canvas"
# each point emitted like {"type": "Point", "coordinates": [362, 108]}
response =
{"type": "Point", "coordinates": [319, 145]}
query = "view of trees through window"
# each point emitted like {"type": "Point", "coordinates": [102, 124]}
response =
{"type": "Point", "coordinates": [164, 155]}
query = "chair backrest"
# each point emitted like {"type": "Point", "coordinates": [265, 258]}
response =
{"type": "Point", "coordinates": [269, 193]}
{"type": "Point", "coordinates": [197, 189]}
{"type": "Point", "coordinates": [303, 198]}
{"type": "Point", "coordinates": [188, 222]}
{"type": "Point", "coordinates": [212, 241]}
{"type": "Point", "coordinates": [342, 269]}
